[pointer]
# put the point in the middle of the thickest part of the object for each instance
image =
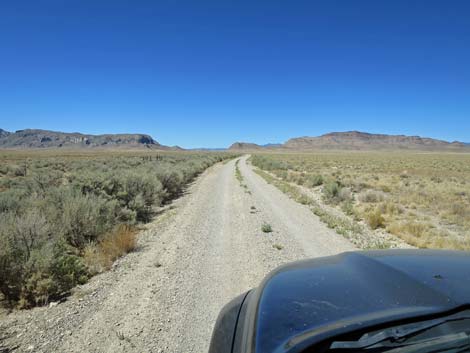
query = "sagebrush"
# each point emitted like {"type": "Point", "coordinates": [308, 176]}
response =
{"type": "Point", "coordinates": [64, 217]}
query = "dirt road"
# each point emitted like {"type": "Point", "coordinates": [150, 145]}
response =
{"type": "Point", "coordinates": [165, 297]}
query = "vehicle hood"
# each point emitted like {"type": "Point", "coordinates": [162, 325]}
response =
{"type": "Point", "coordinates": [301, 304]}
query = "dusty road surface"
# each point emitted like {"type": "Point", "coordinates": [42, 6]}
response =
{"type": "Point", "coordinates": [165, 297]}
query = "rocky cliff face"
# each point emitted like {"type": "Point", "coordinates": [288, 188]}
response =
{"type": "Point", "coordinates": [35, 138]}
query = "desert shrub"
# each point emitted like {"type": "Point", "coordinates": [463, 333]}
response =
{"type": "Point", "coordinates": [313, 180]}
{"type": "Point", "coordinates": [268, 164]}
{"type": "Point", "coordinates": [460, 210]}
{"type": "Point", "coordinates": [385, 188]}
{"type": "Point", "coordinates": [375, 219]}
{"type": "Point", "coordinates": [296, 178]}
{"type": "Point", "coordinates": [334, 193]}
{"type": "Point", "coordinates": [358, 184]}
{"type": "Point", "coordinates": [82, 218]}
{"type": "Point", "coordinates": [21, 236]}
{"type": "Point", "coordinates": [389, 207]}
{"type": "Point", "coordinates": [55, 213]}
{"type": "Point", "coordinates": [348, 207]}
{"type": "Point", "coordinates": [11, 200]}
{"type": "Point", "coordinates": [171, 181]}
{"type": "Point", "coordinates": [331, 190]}
{"type": "Point", "coordinates": [304, 199]}
{"type": "Point", "coordinates": [10, 264]}
{"type": "Point", "coordinates": [139, 192]}
{"type": "Point", "coordinates": [32, 268]}
{"type": "Point", "coordinates": [266, 228]}
{"type": "Point", "coordinates": [99, 257]}
{"type": "Point", "coordinates": [51, 272]}
{"type": "Point", "coordinates": [37, 289]}
{"type": "Point", "coordinates": [67, 268]}
{"type": "Point", "coordinates": [371, 196]}
{"type": "Point", "coordinates": [22, 233]}
{"type": "Point", "coordinates": [41, 181]}
{"type": "Point", "coordinates": [417, 229]}
{"type": "Point", "coordinates": [17, 170]}
{"type": "Point", "coordinates": [4, 169]}
{"type": "Point", "coordinates": [422, 235]}
{"type": "Point", "coordinates": [345, 195]}
{"type": "Point", "coordinates": [35, 285]}
{"type": "Point", "coordinates": [282, 174]}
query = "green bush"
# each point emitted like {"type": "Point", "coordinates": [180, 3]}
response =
{"type": "Point", "coordinates": [23, 238]}
{"type": "Point", "coordinates": [265, 163]}
{"type": "Point", "coordinates": [82, 218]}
{"type": "Point", "coordinates": [67, 269]}
{"type": "Point", "coordinates": [139, 192]}
{"type": "Point", "coordinates": [331, 191]}
{"type": "Point", "coordinates": [266, 228]}
{"type": "Point", "coordinates": [11, 200]}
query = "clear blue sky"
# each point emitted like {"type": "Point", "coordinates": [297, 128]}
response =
{"type": "Point", "coordinates": [207, 73]}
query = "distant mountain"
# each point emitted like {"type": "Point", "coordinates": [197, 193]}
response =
{"type": "Point", "coordinates": [244, 146]}
{"type": "Point", "coordinates": [272, 145]}
{"type": "Point", "coordinates": [247, 146]}
{"type": "Point", "coordinates": [35, 138]}
{"type": "Point", "coordinates": [208, 149]}
{"type": "Point", "coordinates": [4, 133]}
{"type": "Point", "coordinates": [355, 140]}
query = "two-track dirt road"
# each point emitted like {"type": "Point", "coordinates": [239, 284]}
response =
{"type": "Point", "coordinates": [165, 297]}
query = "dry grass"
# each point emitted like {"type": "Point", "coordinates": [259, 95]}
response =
{"type": "Point", "coordinates": [423, 198]}
{"type": "Point", "coordinates": [375, 219]}
{"type": "Point", "coordinates": [100, 257]}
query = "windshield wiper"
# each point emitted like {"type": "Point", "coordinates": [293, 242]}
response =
{"type": "Point", "coordinates": [452, 343]}
{"type": "Point", "coordinates": [394, 334]}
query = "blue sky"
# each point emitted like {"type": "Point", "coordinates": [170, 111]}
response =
{"type": "Point", "coordinates": [208, 73]}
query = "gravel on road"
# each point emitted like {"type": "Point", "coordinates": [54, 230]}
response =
{"type": "Point", "coordinates": [165, 297]}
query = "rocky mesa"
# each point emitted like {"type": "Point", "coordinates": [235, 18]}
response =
{"type": "Point", "coordinates": [36, 138]}
{"type": "Point", "coordinates": [356, 140]}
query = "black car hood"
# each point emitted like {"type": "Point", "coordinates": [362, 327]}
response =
{"type": "Point", "coordinates": [309, 301]}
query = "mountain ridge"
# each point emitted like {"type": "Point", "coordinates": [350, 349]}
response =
{"type": "Point", "coordinates": [347, 140]}
{"type": "Point", "coordinates": [357, 140]}
{"type": "Point", "coordinates": [38, 138]}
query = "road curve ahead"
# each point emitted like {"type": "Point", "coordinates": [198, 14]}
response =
{"type": "Point", "coordinates": [166, 296]}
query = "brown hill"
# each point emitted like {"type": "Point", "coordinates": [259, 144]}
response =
{"type": "Point", "coordinates": [355, 140]}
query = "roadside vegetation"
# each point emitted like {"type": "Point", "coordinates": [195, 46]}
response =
{"type": "Point", "coordinates": [240, 178]}
{"type": "Point", "coordinates": [266, 228]}
{"type": "Point", "coordinates": [65, 217]}
{"type": "Point", "coordinates": [421, 198]}
{"type": "Point", "coordinates": [342, 224]}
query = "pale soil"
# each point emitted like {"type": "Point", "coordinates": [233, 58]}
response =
{"type": "Point", "coordinates": [191, 260]}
